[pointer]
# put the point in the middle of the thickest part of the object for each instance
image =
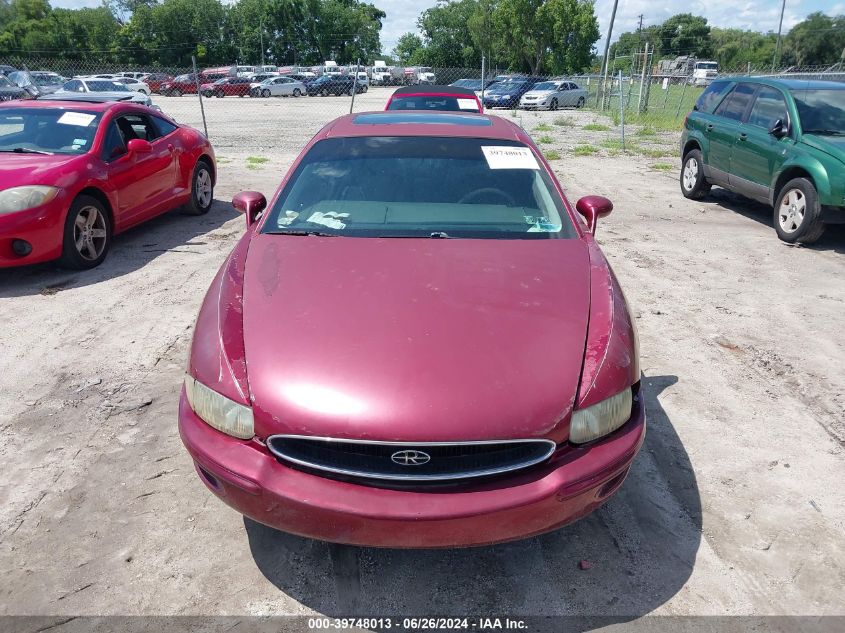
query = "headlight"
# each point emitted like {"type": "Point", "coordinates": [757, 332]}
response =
{"type": "Point", "coordinates": [21, 198]}
{"type": "Point", "coordinates": [600, 419]}
{"type": "Point", "coordinates": [218, 411]}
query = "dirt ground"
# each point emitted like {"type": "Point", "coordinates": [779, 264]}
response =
{"type": "Point", "coordinates": [734, 506]}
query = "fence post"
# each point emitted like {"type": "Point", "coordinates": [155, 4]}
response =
{"type": "Point", "coordinates": [199, 94]}
{"type": "Point", "coordinates": [642, 80]}
{"type": "Point", "coordinates": [355, 85]}
{"type": "Point", "coordinates": [681, 100]}
{"type": "Point", "coordinates": [482, 81]}
{"type": "Point", "coordinates": [622, 110]}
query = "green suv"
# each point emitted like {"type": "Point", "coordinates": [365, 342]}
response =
{"type": "Point", "coordinates": [781, 142]}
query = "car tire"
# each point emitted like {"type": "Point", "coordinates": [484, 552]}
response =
{"type": "Point", "coordinates": [350, 92]}
{"type": "Point", "coordinates": [176, 92]}
{"type": "Point", "coordinates": [581, 102]}
{"type": "Point", "coordinates": [553, 105]}
{"type": "Point", "coordinates": [363, 88]}
{"type": "Point", "coordinates": [219, 94]}
{"type": "Point", "coordinates": [693, 184]}
{"type": "Point", "coordinates": [797, 212]}
{"type": "Point", "coordinates": [265, 93]}
{"type": "Point", "coordinates": [297, 92]}
{"type": "Point", "coordinates": [202, 189]}
{"type": "Point", "coordinates": [324, 93]}
{"type": "Point", "coordinates": [87, 234]}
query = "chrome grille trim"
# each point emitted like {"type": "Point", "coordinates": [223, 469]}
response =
{"type": "Point", "coordinates": [550, 448]}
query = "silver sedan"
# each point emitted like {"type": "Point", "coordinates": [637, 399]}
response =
{"type": "Point", "coordinates": [277, 87]}
{"type": "Point", "coordinates": [551, 95]}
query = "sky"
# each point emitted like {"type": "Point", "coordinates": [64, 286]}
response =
{"type": "Point", "coordinates": [761, 15]}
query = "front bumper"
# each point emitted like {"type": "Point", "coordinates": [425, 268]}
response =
{"type": "Point", "coordinates": [572, 484]}
{"type": "Point", "coordinates": [534, 105]}
{"type": "Point", "coordinates": [41, 227]}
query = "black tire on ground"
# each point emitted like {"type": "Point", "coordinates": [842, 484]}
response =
{"type": "Point", "coordinates": [87, 234]}
{"type": "Point", "coordinates": [553, 105]}
{"type": "Point", "coordinates": [581, 102]}
{"type": "Point", "coordinates": [797, 212]}
{"type": "Point", "coordinates": [200, 204]}
{"type": "Point", "coordinates": [297, 92]}
{"type": "Point", "coordinates": [219, 94]}
{"type": "Point", "coordinates": [693, 184]}
{"type": "Point", "coordinates": [176, 92]}
{"type": "Point", "coordinates": [265, 93]}
{"type": "Point", "coordinates": [325, 92]}
{"type": "Point", "coordinates": [364, 88]}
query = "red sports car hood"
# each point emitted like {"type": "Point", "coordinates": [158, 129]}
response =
{"type": "Point", "coordinates": [32, 169]}
{"type": "Point", "coordinates": [414, 339]}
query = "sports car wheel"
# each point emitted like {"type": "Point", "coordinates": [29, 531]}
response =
{"type": "Point", "coordinates": [87, 234]}
{"type": "Point", "coordinates": [202, 190]}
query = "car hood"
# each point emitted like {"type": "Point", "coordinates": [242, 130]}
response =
{"type": "Point", "coordinates": [829, 144]}
{"type": "Point", "coordinates": [414, 339]}
{"type": "Point", "coordinates": [538, 93]}
{"type": "Point", "coordinates": [17, 170]}
{"type": "Point", "coordinates": [135, 97]}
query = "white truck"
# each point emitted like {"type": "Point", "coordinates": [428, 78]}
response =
{"type": "Point", "coordinates": [419, 75]}
{"type": "Point", "coordinates": [331, 68]}
{"type": "Point", "coordinates": [704, 72]}
{"type": "Point", "coordinates": [380, 74]}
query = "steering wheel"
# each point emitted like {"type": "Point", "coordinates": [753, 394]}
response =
{"type": "Point", "coordinates": [477, 193]}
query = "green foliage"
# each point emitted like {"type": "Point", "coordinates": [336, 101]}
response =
{"type": "Point", "coordinates": [662, 166]}
{"type": "Point", "coordinates": [595, 127]}
{"type": "Point", "coordinates": [563, 121]}
{"type": "Point", "coordinates": [552, 155]}
{"type": "Point", "coordinates": [818, 40]}
{"type": "Point", "coordinates": [408, 48]}
{"type": "Point", "coordinates": [543, 127]}
{"type": "Point", "coordinates": [584, 150]}
{"type": "Point", "coordinates": [545, 139]}
{"type": "Point", "coordinates": [685, 34]}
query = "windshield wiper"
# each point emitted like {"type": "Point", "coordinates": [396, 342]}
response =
{"type": "Point", "coordinates": [26, 150]}
{"type": "Point", "coordinates": [440, 235]}
{"type": "Point", "coordinates": [298, 232]}
{"type": "Point", "coordinates": [837, 132]}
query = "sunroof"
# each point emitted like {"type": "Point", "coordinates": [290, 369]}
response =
{"type": "Point", "coordinates": [435, 118]}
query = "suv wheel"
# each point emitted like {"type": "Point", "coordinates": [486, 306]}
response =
{"type": "Point", "coordinates": [797, 212]}
{"type": "Point", "coordinates": [693, 184]}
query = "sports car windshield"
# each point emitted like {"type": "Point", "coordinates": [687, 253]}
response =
{"type": "Point", "coordinates": [47, 130]}
{"type": "Point", "coordinates": [430, 102]}
{"type": "Point", "coordinates": [821, 111]}
{"type": "Point", "coordinates": [420, 186]}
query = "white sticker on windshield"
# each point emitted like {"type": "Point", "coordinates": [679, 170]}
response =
{"type": "Point", "coordinates": [76, 118]}
{"type": "Point", "coordinates": [332, 219]}
{"type": "Point", "coordinates": [467, 104]}
{"type": "Point", "coordinates": [504, 157]}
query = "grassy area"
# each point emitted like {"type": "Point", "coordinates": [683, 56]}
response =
{"type": "Point", "coordinates": [662, 166]}
{"type": "Point", "coordinates": [552, 155]}
{"type": "Point", "coordinates": [563, 121]}
{"type": "Point", "coordinates": [646, 131]}
{"type": "Point", "coordinates": [666, 108]}
{"type": "Point", "coordinates": [584, 150]}
{"type": "Point", "coordinates": [255, 162]}
{"type": "Point", "coordinates": [545, 139]}
{"type": "Point", "coordinates": [656, 152]}
{"type": "Point", "coordinates": [543, 127]}
{"type": "Point", "coordinates": [596, 127]}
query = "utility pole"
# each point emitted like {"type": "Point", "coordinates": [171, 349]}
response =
{"type": "Point", "coordinates": [607, 51]}
{"type": "Point", "coordinates": [640, 29]}
{"type": "Point", "coordinates": [261, 34]}
{"type": "Point", "coordinates": [777, 45]}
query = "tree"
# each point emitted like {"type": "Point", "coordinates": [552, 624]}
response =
{"type": "Point", "coordinates": [407, 49]}
{"type": "Point", "coordinates": [445, 41]}
{"type": "Point", "coordinates": [817, 41]}
{"type": "Point", "coordinates": [685, 34]}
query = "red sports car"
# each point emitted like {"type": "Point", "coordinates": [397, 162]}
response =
{"type": "Point", "coordinates": [227, 86]}
{"type": "Point", "coordinates": [418, 343]}
{"type": "Point", "coordinates": [427, 98]}
{"type": "Point", "coordinates": [73, 173]}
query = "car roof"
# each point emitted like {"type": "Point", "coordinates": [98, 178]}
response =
{"type": "Point", "coordinates": [433, 90]}
{"type": "Point", "coordinates": [91, 103]}
{"type": "Point", "coordinates": [410, 123]}
{"type": "Point", "coordinates": [793, 84]}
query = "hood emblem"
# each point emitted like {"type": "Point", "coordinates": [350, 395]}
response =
{"type": "Point", "coordinates": [410, 458]}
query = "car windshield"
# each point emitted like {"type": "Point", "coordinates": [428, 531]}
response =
{"type": "Point", "coordinates": [423, 102]}
{"type": "Point", "coordinates": [5, 83]}
{"type": "Point", "coordinates": [47, 130]}
{"type": "Point", "coordinates": [707, 66]}
{"type": "Point", "coordinates": [183, 78]}
{"type": "Point", "coordinates": [506, 86]}
{"type": "Point", "coordinates": [546, 85]}
{"type": "Point", "coordinates": [821, 111]}
{"type": "Point", "coordinates": [420, 186]}
{"type": "Point", "coordinates": [47, 80]}
{"type": "Point", "coordinates": [106, 86]}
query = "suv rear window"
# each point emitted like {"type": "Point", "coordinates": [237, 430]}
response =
{"type": "Point", "coordinates": [712, 96]}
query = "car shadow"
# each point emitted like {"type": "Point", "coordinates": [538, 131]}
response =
{"type": "Point", "coordinates": [832, 240]}
{"type": "Point", "coordinates": [641, 547]}
{"type": "Point", "coordinates": [129, 252]}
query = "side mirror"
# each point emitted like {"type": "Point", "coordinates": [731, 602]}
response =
{"type": "Point", "coordinates": [250, 203]}
{"type": "Point", "coordinates": [779, 129]}
{"type": "Point", "coordinates": [593, 208]}
{"type": "Point", "coordinates": [139, 146]}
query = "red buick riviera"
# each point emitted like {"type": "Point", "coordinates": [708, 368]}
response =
{"type": "Point", "coordinates": [417, 343]}
{"type": "Point", "coordinates": [75, 172]}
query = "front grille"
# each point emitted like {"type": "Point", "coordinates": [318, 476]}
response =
{"type": "Point", "coordinates": [409, 461]}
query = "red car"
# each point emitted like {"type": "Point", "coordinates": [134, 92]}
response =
{"type": "Point", "coordinates": [74, 173]}
{"type": "Point", "coordinates": [155, 81]}
{"type": "Point", "coordinates": [227, 86]}
{"type": "Point", "coordinates": [428, 98]}
{"type": "Point", "coordinates": [449, 362]}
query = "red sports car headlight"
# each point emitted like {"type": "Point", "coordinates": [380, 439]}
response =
{"type": "Point", "coordinates": [22, 198]}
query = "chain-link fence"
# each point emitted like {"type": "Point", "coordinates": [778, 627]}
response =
{"type": "Point", "coordinates": [637, 108]}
